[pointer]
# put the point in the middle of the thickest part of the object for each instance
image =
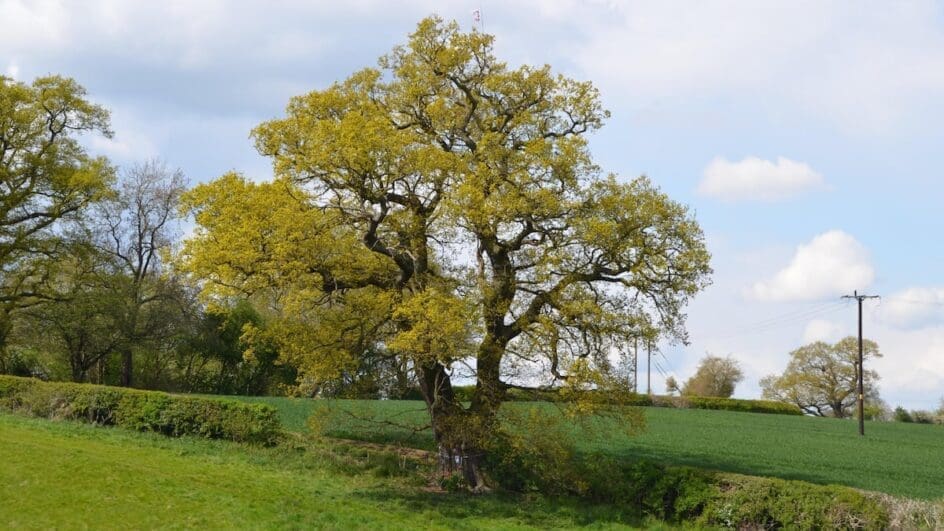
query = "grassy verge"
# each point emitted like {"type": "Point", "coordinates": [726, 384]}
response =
{"type": "Point", "coordinates": [67, 476]}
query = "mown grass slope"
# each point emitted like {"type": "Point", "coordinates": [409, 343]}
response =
{"type": "Point", "coordinates": [63, 475]}
{"type": "Point", "coordinates": [895, 458]}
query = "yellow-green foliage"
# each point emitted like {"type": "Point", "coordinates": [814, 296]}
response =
{"type": "Point", "coordinates": [459, 194]}
{"type": "Point", "coordinates": [821, 378]}
{"type": "Point", "coordinates": [47, 176]}
{"type": "Point", "coordinates": [141, 410]}
{"type": "Point", "coordinates": [436, 326]}
{"type": "Point", "coordinates": [266, 237]}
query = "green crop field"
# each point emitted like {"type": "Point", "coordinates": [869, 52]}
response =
{"type": "Point", "coordinates": [64, 475]}
{"type": "Point", "coordinates": [895, 458]}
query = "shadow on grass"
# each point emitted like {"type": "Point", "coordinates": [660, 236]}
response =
{"type": "Point", "coordinates": [532, 510]}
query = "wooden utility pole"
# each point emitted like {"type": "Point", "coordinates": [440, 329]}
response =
{"type": "Point", "coordinates": [859, 368]}
{"type": "Point", "coordinates": [636, 365]}
{"type": "Point", "coordinates": [649, 367]}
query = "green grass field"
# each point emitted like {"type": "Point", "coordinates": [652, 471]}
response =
{"type": "Point", "coordinates": [895, 458]}
{"type": "Point", "coordinates": [63, 475]}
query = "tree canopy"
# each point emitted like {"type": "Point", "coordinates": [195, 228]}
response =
{"type": "Point", "coordinates": [449, 204]}
{"type": "Point", "coordinates": [821, 378]}
{"type": "Point", "coordinates": [715, 376]}
{"type": "Point", "coordinates": [46, 178]}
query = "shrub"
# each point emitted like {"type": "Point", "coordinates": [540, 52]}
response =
{"type": "Point", "coordinates": [745, 502]}
{"type": "Point", "coordinates": [901, 415]}
{"type": "Point", "coordinates": [667, 493]}
{"type": "Point", "coordinates": [141, 410]}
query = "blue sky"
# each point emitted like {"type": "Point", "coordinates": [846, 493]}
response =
{"type": "Point", "coordinates": [805, 135]}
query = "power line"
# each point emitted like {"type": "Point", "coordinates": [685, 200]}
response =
{"type": "Point", "coordinates": [667, 362]}
{"type": "Point", "coordinates": [787, 316]}
{"type": "Point", "coordinates": [660, 369]}
{"type": "Point", "coordinates": [791, 319]}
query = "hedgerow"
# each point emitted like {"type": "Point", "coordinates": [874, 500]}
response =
{"type": "Point", "coordinates": [736, 404]}
{"type": "Point", "coordinates": [151, 411]}
{"type": "Point", "coordinates": [464, 393]}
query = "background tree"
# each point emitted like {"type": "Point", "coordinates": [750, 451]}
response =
{"type": "Point", "coordinates": [715, 376]}
{"type": "Point", "coordinates": [77, 329]}
{"type": "Point", "coordinates": [672, 386]}
{"type": "Point", "coordinates": [485, 235]}
{"type": "Point", "coordinates": [134, 228]}
{"type": "Point", "coordinates": [46, 180]}
{"type": "Point", "coordinates": [226, 354]}
{"type": "Point", "coordinates": [821, 378]}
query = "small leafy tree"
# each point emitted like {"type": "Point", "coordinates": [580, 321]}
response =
{"type": "Point", "coordinates": [671, 385]}
{"type": "Point", "coordinates": [228, 353]}
{"type": "Point", "coordinates": [79, 326]}
{"type": "Point", "coordinates": [902, 415]}
{"type": "Point", "coordinates": [455, 215]}
{"type": "Point", "coordinates": [821, 378]}
{"type": "Point", "coordinates": [715, 376]}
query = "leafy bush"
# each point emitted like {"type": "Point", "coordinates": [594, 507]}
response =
{"type": "Point", "coordinates": [745, 502]}
{"type": "Point", "coordinates": [901, 415]}
{"type": "Point", "coordinates": [141, 410]}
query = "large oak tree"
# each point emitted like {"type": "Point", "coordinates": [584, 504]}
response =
{"type": "Point", "coordinates": [46, 179]}
{"type": "Point", "coordinates": [453, 202]}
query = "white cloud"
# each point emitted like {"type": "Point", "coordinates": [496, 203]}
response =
{"type": "Point", "coordinates": [860, 69]}
{"type": "Point", "coordinates": [832, 264]}
{"type": "Point", "coordinates": [758, 179]}
{"type": "Point", "coordinates": [913, 308]}
{"type": "Point", "coordinates": [823, 330]}
{"type": "Point", "coordinates": [134, 139]}
{"type": "Point", "coordinates": [912, 366]}
{"type": "Point", "coordinates": [863, 70]}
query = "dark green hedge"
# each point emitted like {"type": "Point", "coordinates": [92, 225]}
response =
{"type": "Point", "coordinates": [464, 394]}
{"type": "Point", "coordinates": [736, 404]}
{"type": "Point", "coordinates": [141, 410]}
